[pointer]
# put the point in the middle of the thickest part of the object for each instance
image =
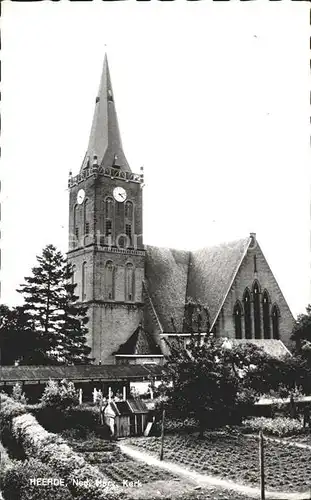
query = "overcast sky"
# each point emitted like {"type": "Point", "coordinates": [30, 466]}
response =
{"type": "Point", "coordinates": [212, 99]}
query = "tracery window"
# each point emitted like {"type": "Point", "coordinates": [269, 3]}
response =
{"type": "Point", "coordinates": [275, 313]}
{"type": "Point", "coordinates": [84, 271]}
{"type": "Point", "coordinates": [109, 280]}
{"type": "Point", "coordinates": [237, 312]}
{"type": "Point", "coordinates": [266, 315]}
{"type": "Point", "coordinates": [256, 299]}
{"type": "Point", "coordinates": [247, 314]}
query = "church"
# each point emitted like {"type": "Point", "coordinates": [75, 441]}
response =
{"type": "Point", "coordinates": [140, 296]}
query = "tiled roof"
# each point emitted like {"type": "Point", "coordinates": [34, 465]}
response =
{"type": "Point", "coordinates": [274, 347]}
{"type": "Point", "coordinates": [166, 276]}
{"type": "Point", "coordinates": [123, 407]}
{"type": "Point", "coordinates": [174, 276]}
{"type": "Point", "coordinates": [137, 405]}
{"type": "Point", "coordinates": [78, 373]}
{"type": "Point", "coordinates": [211, 273]}
{"type": "Point", "coordinates": [105, 140]}
{"type": "Point", "coordinates": [140, 342]}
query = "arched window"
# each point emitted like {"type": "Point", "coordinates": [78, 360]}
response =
{"type": "Point", "coordinates": [256, 298]}
{"type": "Point", "coordinates": [109, 205]}
{"type": "Point", "coordinates": [74, 276]}
{"type": "Point", "coordinates": [109, 280]}
{"type": "Point", "coordinates": [237, 312]}
{"type": "Point", "coordinates": [75, 224]}
{"type": "Point", "coordinates": [84, 271]}
{"type": "Point", "coordinates": [85, 218]}
{"type": "Point", "coordinates": [266, 315]}
{"type": "Point", "coordinates": [129, 282]}
{"type": "Point", "coordinates": [275, 313]}
{"type": "Point", "coordinates": [128, 210]}
{"type": "Point", "coordinates": [247, 314]}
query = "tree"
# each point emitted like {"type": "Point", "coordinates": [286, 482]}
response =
{"type": "Point", "coordinates": [301, 335]}
{"type": "Point", "coordinates": [202, 384]}
{"type": "Point", "coordinates": [52, 313]}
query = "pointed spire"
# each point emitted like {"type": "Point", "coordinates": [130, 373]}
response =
{"type": "Point", "coordinates": [105, 141]}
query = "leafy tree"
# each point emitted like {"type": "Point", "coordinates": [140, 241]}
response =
{"type": "Point", "coordinates": [18, 394]}
{"type": "Point", "coordinates": [301, 334]}
{"type": "Point", "coordinates": [59, 396]}
{"type": "Point", "coordinates": [52, 313]}
{"type": "Point", "coordinates": [202, 384]}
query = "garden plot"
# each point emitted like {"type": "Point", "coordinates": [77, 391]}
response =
{"type": "Point", "coordinates": [235, 458]}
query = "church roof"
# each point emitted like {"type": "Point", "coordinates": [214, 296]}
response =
{"type": "Point", "coordinates": [211, 273]}
{"type": "Point", "coordinates": [105, 139]}
{"type": "Point", "coordinates": [274, 347]}
{"type": "Point", "coordinates": [205, 276]}
{"type": "Point", "coordinates": [140, 342]}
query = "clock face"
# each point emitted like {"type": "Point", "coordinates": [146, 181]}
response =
{"type": "Point", "coordinates": [119, 194]}
{"type": "Point", "coordinates": [80, 196]}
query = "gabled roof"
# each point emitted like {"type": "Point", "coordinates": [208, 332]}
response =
{"type": "Point", "coordinates": [128, 407]}
{"type": "Point", "coordinates": [137, 405]}
{"type": "Point", "coordinates": [166, 277]}
{"type": "Point", "coordinates": [140, 342]}
{"type": "Point", "coordinates": [212, 271]}
{"type": "Point", "coordinates": [205, 276]}
{"type": "Point", "coordinates": [105, 139]}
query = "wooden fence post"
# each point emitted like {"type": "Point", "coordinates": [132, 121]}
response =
{"type": "Point", "coordinates": [261, 466]}
{"type": "Point", "coordinates": [162, 435]}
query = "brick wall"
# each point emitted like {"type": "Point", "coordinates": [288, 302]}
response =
{"type": "Point", "coordinates": [245, 278]}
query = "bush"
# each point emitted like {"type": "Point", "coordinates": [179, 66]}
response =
{"type": "Point", "coordinates": [280, 426]}
{"type": "Point", "coordinates": [16, 484]}
{"type": "Point", "coordinates": [60, 396]}
{"type": "Point", "coordinates": [18, 394]}
{"type": "Point", "coordinates": [10, 409]}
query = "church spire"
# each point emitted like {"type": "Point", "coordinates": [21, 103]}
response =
{"type": "Point", "coordinates": [105, 141]}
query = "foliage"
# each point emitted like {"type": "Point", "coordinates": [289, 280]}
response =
{"type": "Point", "coordinates": [52, 313]}
{"type": "Point", "coordinates": [10, 409]}
{"type": "Point", "coordinates": [202, 384]}
{"type": "Point", "coordinates": [60, 396]}
{"type": "Point", "coordinates": [16, 482]}
{"type": "Point", "coordinates": [18, 394]}
{"type": "Point", "coordinates": [280, 426]}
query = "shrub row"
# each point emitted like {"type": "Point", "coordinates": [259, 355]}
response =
{"type": "Point", "coordinates": [279, 426]}
{"type": "Point", "coordinates": [53, 451]}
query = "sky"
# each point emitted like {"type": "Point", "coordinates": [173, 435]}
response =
{"type": "Point", "coordinates": [212, 99]}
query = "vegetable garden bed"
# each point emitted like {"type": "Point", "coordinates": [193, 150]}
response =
{"type": "Point", "coordinates": [235, 458]}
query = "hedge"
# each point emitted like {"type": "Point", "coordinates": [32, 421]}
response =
{"type": "Point", "coordinates": [279, 426]}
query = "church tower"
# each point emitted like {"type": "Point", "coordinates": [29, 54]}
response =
{"type": "Point", "coordinates": [105, 232]}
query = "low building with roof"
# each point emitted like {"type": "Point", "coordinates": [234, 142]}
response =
{"type": "Point", "coordinates": [126, 418]}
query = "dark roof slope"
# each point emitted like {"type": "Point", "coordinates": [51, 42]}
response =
{"type": "Point", "coordinates": [78, 372]}
{"type": "Point", "coordinates": [274, 347]}
{"type": "Point", "coordinates": [140, 342]}
{"type": "Point", "coordinates": [166, 276]}
{"type": "Point", "coordinates": [211, 273]}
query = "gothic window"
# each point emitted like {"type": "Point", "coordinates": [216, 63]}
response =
{"type": "Point", "coordinates": [129, 282]}
{"type": "Point", "coordinates": [84, 270]}
{"type": "Point", "coordinates": [108, 227]}
{"type": "Point", "coordinates": [237, 312]}
{"type": "Point", "coordinates": [128, 210]}
{"type": "Point", "coordinates": [247, 314]}
{"type": "Point", "coordinates": [256, 298]}
{"type": "Point", "coordinates": [109, 280]}
{"type": "Point", "coordinates": [75, 222]}
{"type": "Point", "coordinates": [85, 216]}
{"type": "Point", "coordinates": [266, 315]}
{"type": "Point", "coordinates": [128, 232]}
{"type": "Point", "coordinates": [77, 234]}
{"type": "Point", "coordinates": [255, 264]}
{"type": "Point", "coordinates": [73, 278]}
{"type": "Point", "coordinates": [109, 208]}
{"type": "Point", "coordinates": [275, 313]}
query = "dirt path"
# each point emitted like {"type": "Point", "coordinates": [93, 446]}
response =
{"type": "Point", "coordinates": [204, 480]}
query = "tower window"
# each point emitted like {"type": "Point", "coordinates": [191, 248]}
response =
{"type": "Point", "coordinates": [266, 315]}
{"type": "Point", "coordinates": [77, 233]}
{"type": "Point", "coordinates": [247, 314]}
{"type": "Point", "coordinates": [237, 312]}
{"type": "Point", "coordinates": [109, 280]}
{"type": "Point", "coordinates": [87, 228]}
{"type": "Point", "coordinates": [255, 264]}
{"type": "Point", "coordinates": [108, 229]}
{"type": "Point", "coordinates": [128, 231]}
{"type": "Point", "coordinates": [109, 208]}
{"type": "Point", "coordinates": [83, 281]}
{"type": "Point", "coordinates": [256, 294]}
{"type": "Point", "coordinates": [128, 210]}
{"type": "Point", "coordinates": [129, 281]}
